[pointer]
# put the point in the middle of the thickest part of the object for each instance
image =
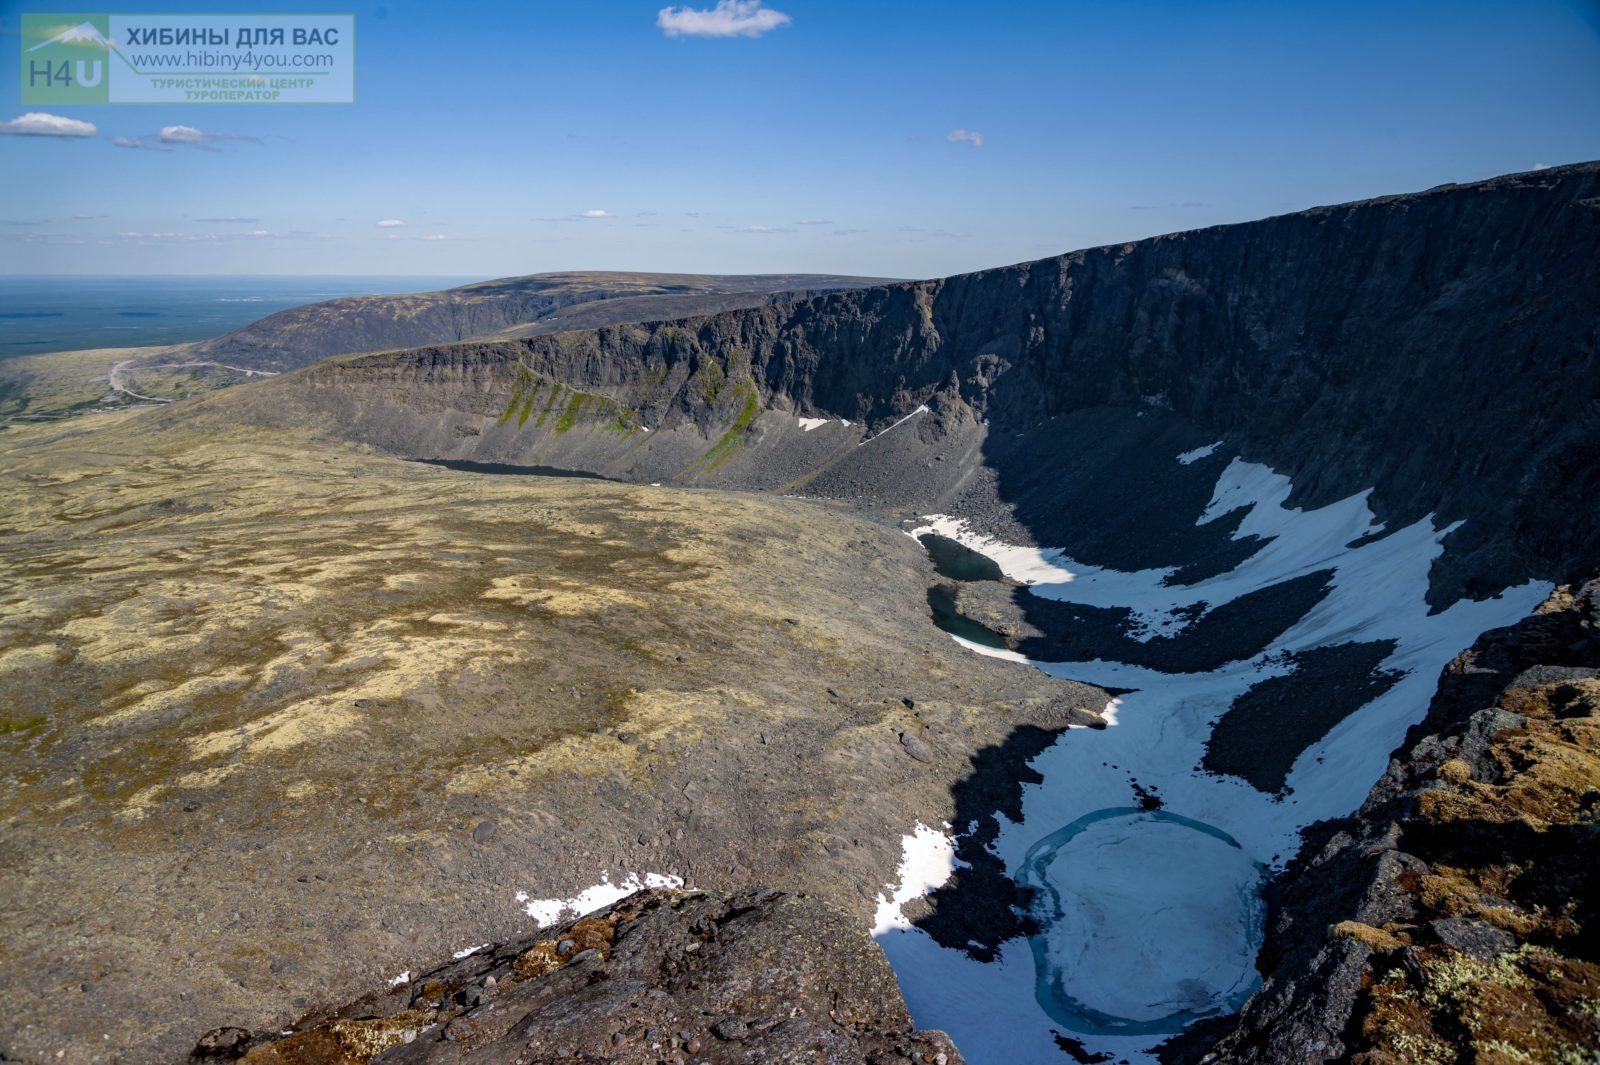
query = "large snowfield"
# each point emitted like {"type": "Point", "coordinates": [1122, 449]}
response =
{"type": "Point", "coordinates": [1152, 920]}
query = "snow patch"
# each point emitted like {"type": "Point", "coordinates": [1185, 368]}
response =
{"type": "Point", "coordinates": [1188, 458]}
{"type": "Point", "coordinates": [924, 409]}
{"type": "Point", "coordinates": [927, 861]}
{"type": "Point", "coordinates": [403, 978]}
{"type": "Point", "coordinates": [1093, 969]}
{"type": "Point", "coordinates": [551, 911]}
{"type": "Point", "coordinates": [808, 424]}
{"type": "Point", "coordinates": [470, 951]}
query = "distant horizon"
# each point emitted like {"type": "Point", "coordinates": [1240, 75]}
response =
{"type": "Point", "coordinates": [42, 313]}
{"type": "Point", "coordinates": [471, 277]}
{"type": "Point", "coordinates": [214, 276]}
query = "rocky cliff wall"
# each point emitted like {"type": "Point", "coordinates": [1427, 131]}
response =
{"type": "Point", "coordinates": [1441, 348]}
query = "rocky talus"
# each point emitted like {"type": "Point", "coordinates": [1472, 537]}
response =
{"type": "Point", "coordinates": [760, 976]}
{"type": "Point", "coordinates": [1453, 918]}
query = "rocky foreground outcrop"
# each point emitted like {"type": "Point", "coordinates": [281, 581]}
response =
{"type": "Point", "coordinates": [760, 976]}
{"type": "Point", "coordinates": [1456, 916]}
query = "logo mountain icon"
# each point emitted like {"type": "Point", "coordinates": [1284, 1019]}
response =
{"type": "Point", "coordinates": [84, 32]}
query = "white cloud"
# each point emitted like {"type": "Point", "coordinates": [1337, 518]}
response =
{"type": "Point", "coordinates": [261, 233]}
{"type": "Point", "coordinates": [190, 135]}
{"type": "Point", "coordinates": [597, 214]}
{"type": "Point", "coordinates": [436, 236]}
{"type": "Point", "coordinates": [41, 124]}
{"type": "Point", "coordinates": [971, 136]}
{"type": "Point", "coordinates": [730, 18]}
{"type": "Point", "coordinates": [389, 223]}
{"type": "Point", "coordinates": [764, 229]}
{"type": "Point", "coordinates": [170, 135]}
{"type": "Point", "coordinates": [1541, 166]}
{"type": "Point", "coordinates": [815, 222]}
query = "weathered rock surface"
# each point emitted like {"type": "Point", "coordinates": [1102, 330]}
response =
{"type": "Point", "coordinates": [760, 976]}
{"type": "Point", "coordinates": [1454, 916]}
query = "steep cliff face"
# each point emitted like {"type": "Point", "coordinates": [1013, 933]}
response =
{"type": "Point", "coordinates": [1440, 348]}
{"type": "Point", "coordinates": [1452, 918]}
{"type": "Point", "coordinates": [513, 306]}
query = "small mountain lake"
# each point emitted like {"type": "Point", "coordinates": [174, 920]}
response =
{"type": "Point", "coordinates": [948, 617]}
{"type": "Point", "coordinates": [957, 561]}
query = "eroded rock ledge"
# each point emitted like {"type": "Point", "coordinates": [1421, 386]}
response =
{"type": "Point", "coordinates": [1453, 918]}
{"type": "Point", "coordinates": [661, 976]}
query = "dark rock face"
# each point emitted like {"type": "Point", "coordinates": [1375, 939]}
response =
{"type": "Point", "coordinates": [1261, 734]}
{"type": "Point", "coordinates": [756, 977]}
{"type": "Point", "coordinates": [1452, 917]}
{"type": "Point", "coordinates": [1439, 348]}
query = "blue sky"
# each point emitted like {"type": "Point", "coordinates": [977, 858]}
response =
{"type": "Point", "coordinates": [817, 143]}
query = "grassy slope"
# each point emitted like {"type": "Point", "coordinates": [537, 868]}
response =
{"type": "Point", "coordinates": [259, 691]}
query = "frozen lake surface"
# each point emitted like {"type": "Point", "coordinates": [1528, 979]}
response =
{"type": "Point", "coordinates": [1150, 918]}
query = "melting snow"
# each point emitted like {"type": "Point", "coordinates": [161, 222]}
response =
{"type": "Point", "coordinates": [1189, 457]}
{"type": "Point", "coordinates": [808, 424]}
{"type": "Point", "coordinates": [469, 951]}
{"type": "Point", "coordinates": [928, 859]}
{"type": "Point", "coordinates": [920, 410]}
{"type": "Point", "coordinates": [1150, 917]}
{"type": "Point", "coordinates": [549, 911]}
{"type": "Point", "coordinates": [403, 978]}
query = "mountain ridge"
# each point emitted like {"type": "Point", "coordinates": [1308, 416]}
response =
{"type": "Point", "coordinates": [1397, 325]}
{"type": "Point", "coordinates": [519, 305]}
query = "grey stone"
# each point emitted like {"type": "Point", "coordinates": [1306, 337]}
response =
{"type": "Point", "coordinates": [915, 747]}
{"type": "Point", "coordinates": [1477, 938]}
{"type": "Point", "coordinates": [731, 1029]}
